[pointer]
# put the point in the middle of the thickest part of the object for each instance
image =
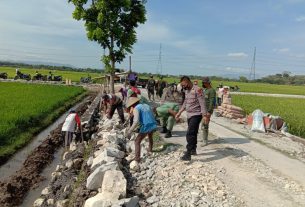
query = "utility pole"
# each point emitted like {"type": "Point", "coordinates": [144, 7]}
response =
{"type": "Point", "coordinates": [130, 64]}
{"type": "Point", "coordinates": [252, 70]}
{"type": "Point", "coordinates": [159, 65]}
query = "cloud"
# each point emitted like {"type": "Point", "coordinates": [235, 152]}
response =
{"type": "Point", "coordinates": [154, 32]}
{"type": "Point", "coordinates": [238, 55]}
{"type": "Point", "coordinates": [282, 50]}
{"type": "Point", "coordinates": [300, 19]}
{"type": "Point", "coordinates": [236, 69]}
{"type": "Point", "coordinates": [294, 1]}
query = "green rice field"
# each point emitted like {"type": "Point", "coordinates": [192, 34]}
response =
{"type": "Point", "coordinates": [27, 108]}
{"type": "Point", "coordinates": [255, 87]}
{"type": "Point", "coordinates": [73, 75]}
{"type": "Point", "coordinates": [292, 110]}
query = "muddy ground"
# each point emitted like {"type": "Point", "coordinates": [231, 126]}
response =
{"type": "Point", "coordinates": [13, 190]}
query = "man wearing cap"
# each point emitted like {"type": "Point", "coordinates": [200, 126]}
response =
{"type": "Point", "coordinates": [143, 115]}
{"type": "Point", "coordinates": [195, 107]}
{"type": "Point", "coordinates": [115, 103]}
{"type": "Point", "coordinates": [151, 88]}
{"type": "Point", "coordinates": [69, 126]}
{"type": "Point", "coordinates": [210, 100]}
{"type": "Point", "coordinates": [167, 113]}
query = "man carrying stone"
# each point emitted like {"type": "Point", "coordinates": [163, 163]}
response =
{"type": "Point", "coordinates": [142, 115]}
{"type": "Point", "coordinates": [151, 84]}
{"type": "Point", "coordinates": [195, 107]}
{"type": "Point", "coordinates": [210, 101]}
{"type": "Point", "coordinates": [167, 113]}
{"type": "Point", "coordinates": [111, 103]}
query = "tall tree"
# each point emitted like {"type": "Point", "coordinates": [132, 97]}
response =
{"type": "Point", "coordinates": [112, 24]}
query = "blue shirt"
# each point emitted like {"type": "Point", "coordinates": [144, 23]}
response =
{"type": "Point", "coordinates": [146, 118]}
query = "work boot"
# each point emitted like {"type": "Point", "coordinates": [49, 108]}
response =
{"type": "Point", "coordinates": [168, 134]}
{"type": "Point", "coordinates": [164, 130]}
{"type": "Point", "coordinates": [186, 156]}
{"type": "Point", "coordinates": [204, 143]}
{"type": "Point", "coordinates": [193, 152]}
{"type": "Point", "coordinates": [205, 134]}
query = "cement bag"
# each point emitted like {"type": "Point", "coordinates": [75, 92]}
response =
{"type": "Point", "coordinates": [258, 121]}
{"type": "Point", "coordinates": [236, 108]}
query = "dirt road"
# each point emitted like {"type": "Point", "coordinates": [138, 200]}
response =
{"type": "Point", "coordinates": [260, 173]}
{"type": "Point", "coordinates": [256, 169]}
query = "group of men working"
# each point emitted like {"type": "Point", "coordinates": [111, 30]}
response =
{"type": "Point", "coordinates": [198, 104]}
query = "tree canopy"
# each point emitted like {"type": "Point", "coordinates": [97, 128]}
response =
{"type": "Point", "coordinates": [112, 24]}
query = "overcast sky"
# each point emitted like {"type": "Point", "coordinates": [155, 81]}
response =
{"type": "Point", "coordinates": [202, 37]}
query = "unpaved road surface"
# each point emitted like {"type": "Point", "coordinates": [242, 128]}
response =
{"type": "Point", "coordinates": [244, 167]}
{"type": "Point", "coordinates": [259, 173]}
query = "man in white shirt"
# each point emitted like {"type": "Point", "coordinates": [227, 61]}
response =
{"type": "Point", "coordinates": [69, 126]}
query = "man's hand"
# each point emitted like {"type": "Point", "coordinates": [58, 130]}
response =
{"type": "Point", "coordinates": [128, 134]}
{"type": "Point", "coordinates": [206, 118]}
{"type": "Point", "coordinates": [178, 116]}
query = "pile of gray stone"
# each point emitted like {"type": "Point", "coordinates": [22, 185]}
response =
{"type": "Point", "coordinates": [106, 167]}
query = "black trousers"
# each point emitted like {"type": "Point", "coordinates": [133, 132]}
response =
{"type": "Point", "coordinates": [192, 131]}
{"type": "Point", "coordinates": [119, 108]}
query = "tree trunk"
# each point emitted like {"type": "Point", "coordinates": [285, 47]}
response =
{"type": "Point", "coordinates": [112, 74]}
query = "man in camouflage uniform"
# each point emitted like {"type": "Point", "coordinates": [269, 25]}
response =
{"type": "Point", "coordinates": [151, 84]}
{"type": "Point", "coordinates": [194, 104]}
{"type": "Point", "coordinates": [167, 113]}
{"type": "Point", "coordinates": [210, 101]}
{"type": "Point", "coordinates": [161, 85]}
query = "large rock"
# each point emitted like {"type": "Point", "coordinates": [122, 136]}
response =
{"type": "Point", "coordinates": [112, 152]}
{"type": "Point", "coordinates": [108, 124]}
{"type": "Point", "coordinates": [45, 191]}
{"type": "Point", "coordinates": [73, 146]}
{"type": "Point", "coordinates": [90, 161]}
{"type": "Point", "coordinates": [102, 200]}
{"type": "Point", "coordinates": [128, 202]}
{"type": "Point", "coordinates": [98, 152]}
{"type": "Point", "coordinates": [130, 147]}
{"type": "Point", "coordinates": [101, 159]}
{"type": "Point", "coordinates": [114, 182]}
{"type": "Point", "coordinates": [134, 166]}
{"type": "Point", "coordinates": [95, 180]}
{"type": "Point", "coordinates": [39, 202]}
{"type": "Point", "coordinates": [62, 203]}
{"type": "Point", "coordinates": [101, 142]}
{"type": "Point", "coordinates": [69, 164]}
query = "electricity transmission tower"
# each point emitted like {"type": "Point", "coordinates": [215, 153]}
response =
{"type": "Point", "coordinates": [159, 65]}
{"type": "Point", "coordinates": [252, 70]}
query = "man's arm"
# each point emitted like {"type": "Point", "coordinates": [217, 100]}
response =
{"type": "Point", "coordinates": [212, 99]}
{"type": "Point", "coordinates": [201, 100]}
{"type": "Point", "coordinates": [181, 110]}
{"type": "Point", "coordinates": [135, 120]}
{"type": "Point", "coordinates": [77, 120]}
